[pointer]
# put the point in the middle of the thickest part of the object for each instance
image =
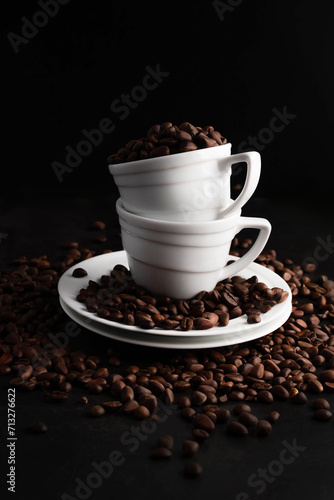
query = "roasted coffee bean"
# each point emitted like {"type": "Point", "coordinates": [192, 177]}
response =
{"type": "Point", "coordinates": [112, 406]}
{"type": "Point", "coordinates": [254, 318]}
{"type": "Point", "coordinates": [200, 434]}
{"type": "Point", "coordinates": [141, 412]}
{"type": "Point", "coordinates": [223, 415]}
{"type": "Point", "coordinates": [263, 428]}
{"type": "Point", "coordinates": [202, 421]}
{"type": "Point", "coordinates": [96, 411]}
{"type": "Point", "coordinates": [126, 394]}
{"type": "Point", "coordinates": [149, 401]}
{"type": "Point", "coordinates": [323, 414]}
{"type": "Point", "coordinates": [130, 406]}
{"type": "Point", "coordinates": [79, 272]}
{"type": "Point", "coordinates": [235, 428]}
{"type": "Point", "coordinates": [167, 396]}
{"type": "Point", "coordinates": [273, 416]}
{"type": "Point", "coordinates": [161, 453]}
{"type": "Point", "coordinates": [315, 386]}
{"type": "Point", "coordinates": [187, 413]}
{"type": "Point", "coordinates": [189, 447]}
{"type": "Point", "coordinates": [184, 138]}
{"type": "Point", "coordinates": [248, 419]}
{"type": "Point", "coordinates": [265, 396]}
{"type": "Point", "coordinates": [38, 427]}
{"type": "Point", "coordinates": [99, 225]}
{"type": "Point", "coordinates": [166, 441]}
{"type": "Point", "coordinates": [184, 402]}
{"type": "Point", "coordinates": [300, 398]}
{"type": "Point", "coordinates": [193, 469]}
{"type": "Point", "coordinates": [242, 407]}
{"type": "Point", "coordinates": [59, 396]}
{"type": "Point", "coordinates": [280, 392]}
{"type": "Point", "coordinates": [321, 404]}
{"type": "Point", "coordinates": [198, 398]}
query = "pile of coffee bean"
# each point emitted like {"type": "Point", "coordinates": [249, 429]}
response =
{"type": "Point", "coordinates": [116, 297]}
{"type": "Point", "coordinates": [166, 139]}
{"type": "Point", "coordinates": [209, 387]}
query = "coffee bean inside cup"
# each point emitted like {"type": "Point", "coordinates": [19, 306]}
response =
{"type": "Point", "coordinates": [167, 139]}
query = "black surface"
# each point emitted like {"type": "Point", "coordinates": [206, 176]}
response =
{"type": "Point", "coordinates": [48, 465]}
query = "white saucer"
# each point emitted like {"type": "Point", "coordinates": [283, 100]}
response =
{"type": "Point", "coordinates": [237, 331]}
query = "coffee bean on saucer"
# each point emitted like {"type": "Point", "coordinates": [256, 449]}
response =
{"type": "Point", "coordinates": [79, 272]}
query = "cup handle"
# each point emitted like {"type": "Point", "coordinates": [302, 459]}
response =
{"type": "Point", "coordinates": [254, 223]}
{"type": "Point", "coordinates": [253, 160]}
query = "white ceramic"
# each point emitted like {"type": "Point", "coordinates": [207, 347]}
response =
{"type": "Point", "coordinates": [186, 187]}
{"type": "Point", "coordinates": [237, 331]}
{"type": "Point", "coordinates": [179, 259]}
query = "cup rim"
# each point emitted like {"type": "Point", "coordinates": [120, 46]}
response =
{"type": "Point", "coordinates": [213, 226]}
{"type": "Point", "coordinates": [169, 161]}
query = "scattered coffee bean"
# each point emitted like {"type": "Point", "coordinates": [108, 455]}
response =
{"type": "Point", "coordinates": [38, 427]}
{"type": "Point", "coordinates": [321, 404]}
{"type": "Point", "coordinates": [96, 411]}
{"type": "Point", "coordinates": [241, 407]}
{"type": "Point", "coordinates": [248, 419]}
{"type": "Point", "coordinates": [112, 406]}
{"type": "Point", "coordinates": [141, 412]}
{"type": "Point", "coordinates": [300, 398]}
{"type": "Point", "coordinates": [189, 447]}
{"type": "Point", "coordinates": [166, 441]}
{"type": "Point", "coordinates": [161, 452]}
{"type": "Point", "coordinates": [193, 469]}
{"type": "Point", "coordinates": [322, 414]}
{"type": "Point", "coordinates": [273, 416]}
{"type": "Point", "coordinates": [99, 225]}
{"type": "Point", "coordinates": [235, 428]}
{"type": "Point", "coordinates": [202, 421]}
{"type": "Point", "coordinates": [290, 363]}
{"type": "Point", "coordinates": [263, 428]}
{"type": "Point", "coordinates": [200, 434]}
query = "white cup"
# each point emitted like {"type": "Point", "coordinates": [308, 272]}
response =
{"type": "Point", "coordinates": [180, 259]}
{"type": "Point", "coordinates": [186, 187]}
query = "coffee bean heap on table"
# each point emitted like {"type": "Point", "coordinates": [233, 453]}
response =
{"type": "Point", "coordinates": [166, 139]}
{"type": "Point", "coordinates": [133, 305]}
{"type": "Point", "coordinates": [212, 389]}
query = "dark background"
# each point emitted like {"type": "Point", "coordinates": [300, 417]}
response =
{"type": "Point", "coordinates": [230, 73]}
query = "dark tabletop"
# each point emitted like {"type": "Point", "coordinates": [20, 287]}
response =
{"type": "Point", "coordinates": [52, 464]}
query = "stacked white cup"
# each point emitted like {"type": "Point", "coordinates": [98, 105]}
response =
{"type": "Point", "coordinates": [178, 218]}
